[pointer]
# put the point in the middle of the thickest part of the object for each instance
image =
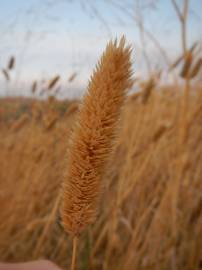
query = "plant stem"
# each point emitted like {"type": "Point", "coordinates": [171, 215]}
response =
{"type": "Point", "coordinates": [73, 264]}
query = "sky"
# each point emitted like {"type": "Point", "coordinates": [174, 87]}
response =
{"type": "Point", "coordinates": [61, 37]}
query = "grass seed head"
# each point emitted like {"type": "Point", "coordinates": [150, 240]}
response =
{"type": "Point", "coordinates": [93, 137]}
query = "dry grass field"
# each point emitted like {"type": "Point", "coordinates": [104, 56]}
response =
{"type": "Point", "coordinates": [113, 180]}
{"type": "Point", "coordinates": [151, 211]}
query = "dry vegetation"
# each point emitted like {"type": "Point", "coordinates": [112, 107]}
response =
{"type": "Point", "coordinates": [93, 139]}
{"type": "Point", "coordinates": [151, 208]}
{"type": "Point", "coordinates": [150, 216]}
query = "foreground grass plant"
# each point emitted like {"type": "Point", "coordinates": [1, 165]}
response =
{"type": "Point", "coordinates": [93, 138]}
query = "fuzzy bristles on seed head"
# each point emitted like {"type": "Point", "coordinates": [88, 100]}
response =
{"type": "Point", "coordinates": [93, 137]}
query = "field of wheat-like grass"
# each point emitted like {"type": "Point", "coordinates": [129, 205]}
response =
{"type": "Point", "coordinates": [151, 210]}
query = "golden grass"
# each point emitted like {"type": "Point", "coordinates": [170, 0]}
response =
{"type": "Point", "coordinates": [187, 65]}
{"type": "Point", "coordinates": [53, 82]}
{"type": "Point", "coordinates": [11, 63]}
{"type": "Point", "coordinates": [34, 87]}
{"type": "Point", "coordinates": [72, 77]}
{"type": "Point", "coordinates": [196, 69]}
{"type": "Point", "coordinates": [93, 137]}
{"type": "Point", "coordinates": [151, 213]}
{"type": "Point", "coordinates": [6, 74]}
